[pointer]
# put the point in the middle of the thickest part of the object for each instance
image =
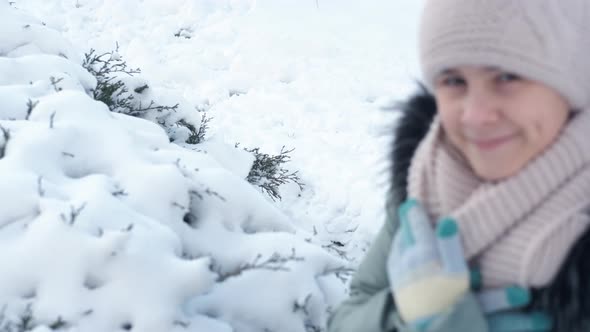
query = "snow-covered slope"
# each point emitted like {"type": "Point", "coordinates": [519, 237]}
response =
{"type": "Point", "coordinates": [106, 225]}
{"type": "Point", "coordinates": [305, 74]}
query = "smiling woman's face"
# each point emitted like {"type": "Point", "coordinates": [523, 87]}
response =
{"type": "Point", "coordinates": [497, 120]}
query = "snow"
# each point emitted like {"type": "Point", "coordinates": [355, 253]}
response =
{"type": "Point", "coordinates": [111, 222]}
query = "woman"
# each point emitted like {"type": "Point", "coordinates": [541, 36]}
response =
{"type": "Point", "coordinates": [491, 172]}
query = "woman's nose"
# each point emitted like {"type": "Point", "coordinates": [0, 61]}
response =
{"type": "Point", "coordinates": [479, 108]}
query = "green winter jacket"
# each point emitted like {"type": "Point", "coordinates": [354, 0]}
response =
{"type": "Point", "coordinates": [371, 308]}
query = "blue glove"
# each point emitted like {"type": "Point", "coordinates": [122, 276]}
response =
{"type": "Point", "coordinates": [500, 307]}
{"type": "Point", "coordinates": [426, 269]}
{"type": "Point", "coordinates": [428, 274]}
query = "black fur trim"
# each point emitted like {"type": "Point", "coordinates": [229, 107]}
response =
{"type": "Point", "coordinates": [417, 114]}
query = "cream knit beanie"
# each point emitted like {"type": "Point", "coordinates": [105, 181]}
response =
{"type": "Point", "coordinates": [542, 40]}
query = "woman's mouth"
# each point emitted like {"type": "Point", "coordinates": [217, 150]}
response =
{"type": "Point", "coordinates": [491, 143]}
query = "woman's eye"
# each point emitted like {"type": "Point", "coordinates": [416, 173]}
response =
{"type": "Point", "coordinates": [508, 77]}
{"type": "Point", "coordinates": [451, 81]}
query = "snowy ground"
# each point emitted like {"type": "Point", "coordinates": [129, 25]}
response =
{"type": "Point", "coordinates": [313, 76]}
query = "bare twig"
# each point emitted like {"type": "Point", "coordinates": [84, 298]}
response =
{"type": "Point", "coordinates": [40, 189]}
{"type": "Point", "coordinates": [208, 192]}
{"type": "Point", "coordinates": [51, 120]}
{"type": "Point", "coordinates": [297, 306]}
{"type": "Point", "coordinates": [30, 107]}
{"type": "Point", "coordinates": [335, 247]}
{"type": "Point", "coordinates": [342, 273]}
{"type": "Point", "coordinates": [74, 213]}
{"type": "Point", "coordinates": [6, 137]}
{"type": "Point", "coordinates": [54, 81]}
{"type": "Point", "coordinates": [274, 263]}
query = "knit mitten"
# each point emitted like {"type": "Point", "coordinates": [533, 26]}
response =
{"type": "Point", "coordinates": [427, 269]}
{"type": "Point", "coordinates": [429, 276]}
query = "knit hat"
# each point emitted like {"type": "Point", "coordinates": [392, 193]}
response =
{"type": "Point", "coordinates": [543, 40]}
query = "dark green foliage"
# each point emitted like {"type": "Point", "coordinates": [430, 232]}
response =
{"type": "Point", "coordinates": [58, 324]}
{"type": "Point", "coordinates": [24, 323]}
{"type": "Point", "coordinates": [112, 91]}
{"type": "Point", "coordinates": [186, 33]}
{"type": "Point", "coordinates": [139, 110]}
{"type": "Point", "coordinates": [268, 173]}
{"type": "Point", "coordinates": [109, 90]}
{"type": "Point", "coordinates": [196, 136]}
{"type": "Point", "coordinates": [141, 88]}
{"type": "Point", "coordinates": [107, 68]}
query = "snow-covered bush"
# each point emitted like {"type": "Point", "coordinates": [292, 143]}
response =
{"type": "Point", "coordinates": [114, 89]}
{"type": "Point", "coordinates": [123, 93]}
{"type": "Point", "coordinates": [269, 174]}
{"type": "Point", "coordinates": [105, 225]}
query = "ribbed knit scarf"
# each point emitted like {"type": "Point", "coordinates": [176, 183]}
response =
{"type": "Point", "coordinates": [518, 230]}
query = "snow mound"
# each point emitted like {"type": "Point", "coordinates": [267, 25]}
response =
{"type": "Point", "coordinates": [106, 225]}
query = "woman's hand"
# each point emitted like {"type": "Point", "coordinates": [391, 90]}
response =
{"type": "Point", "coordinates": [429, 275]}
{"type": "Point", "coordinates": [427, 269]}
